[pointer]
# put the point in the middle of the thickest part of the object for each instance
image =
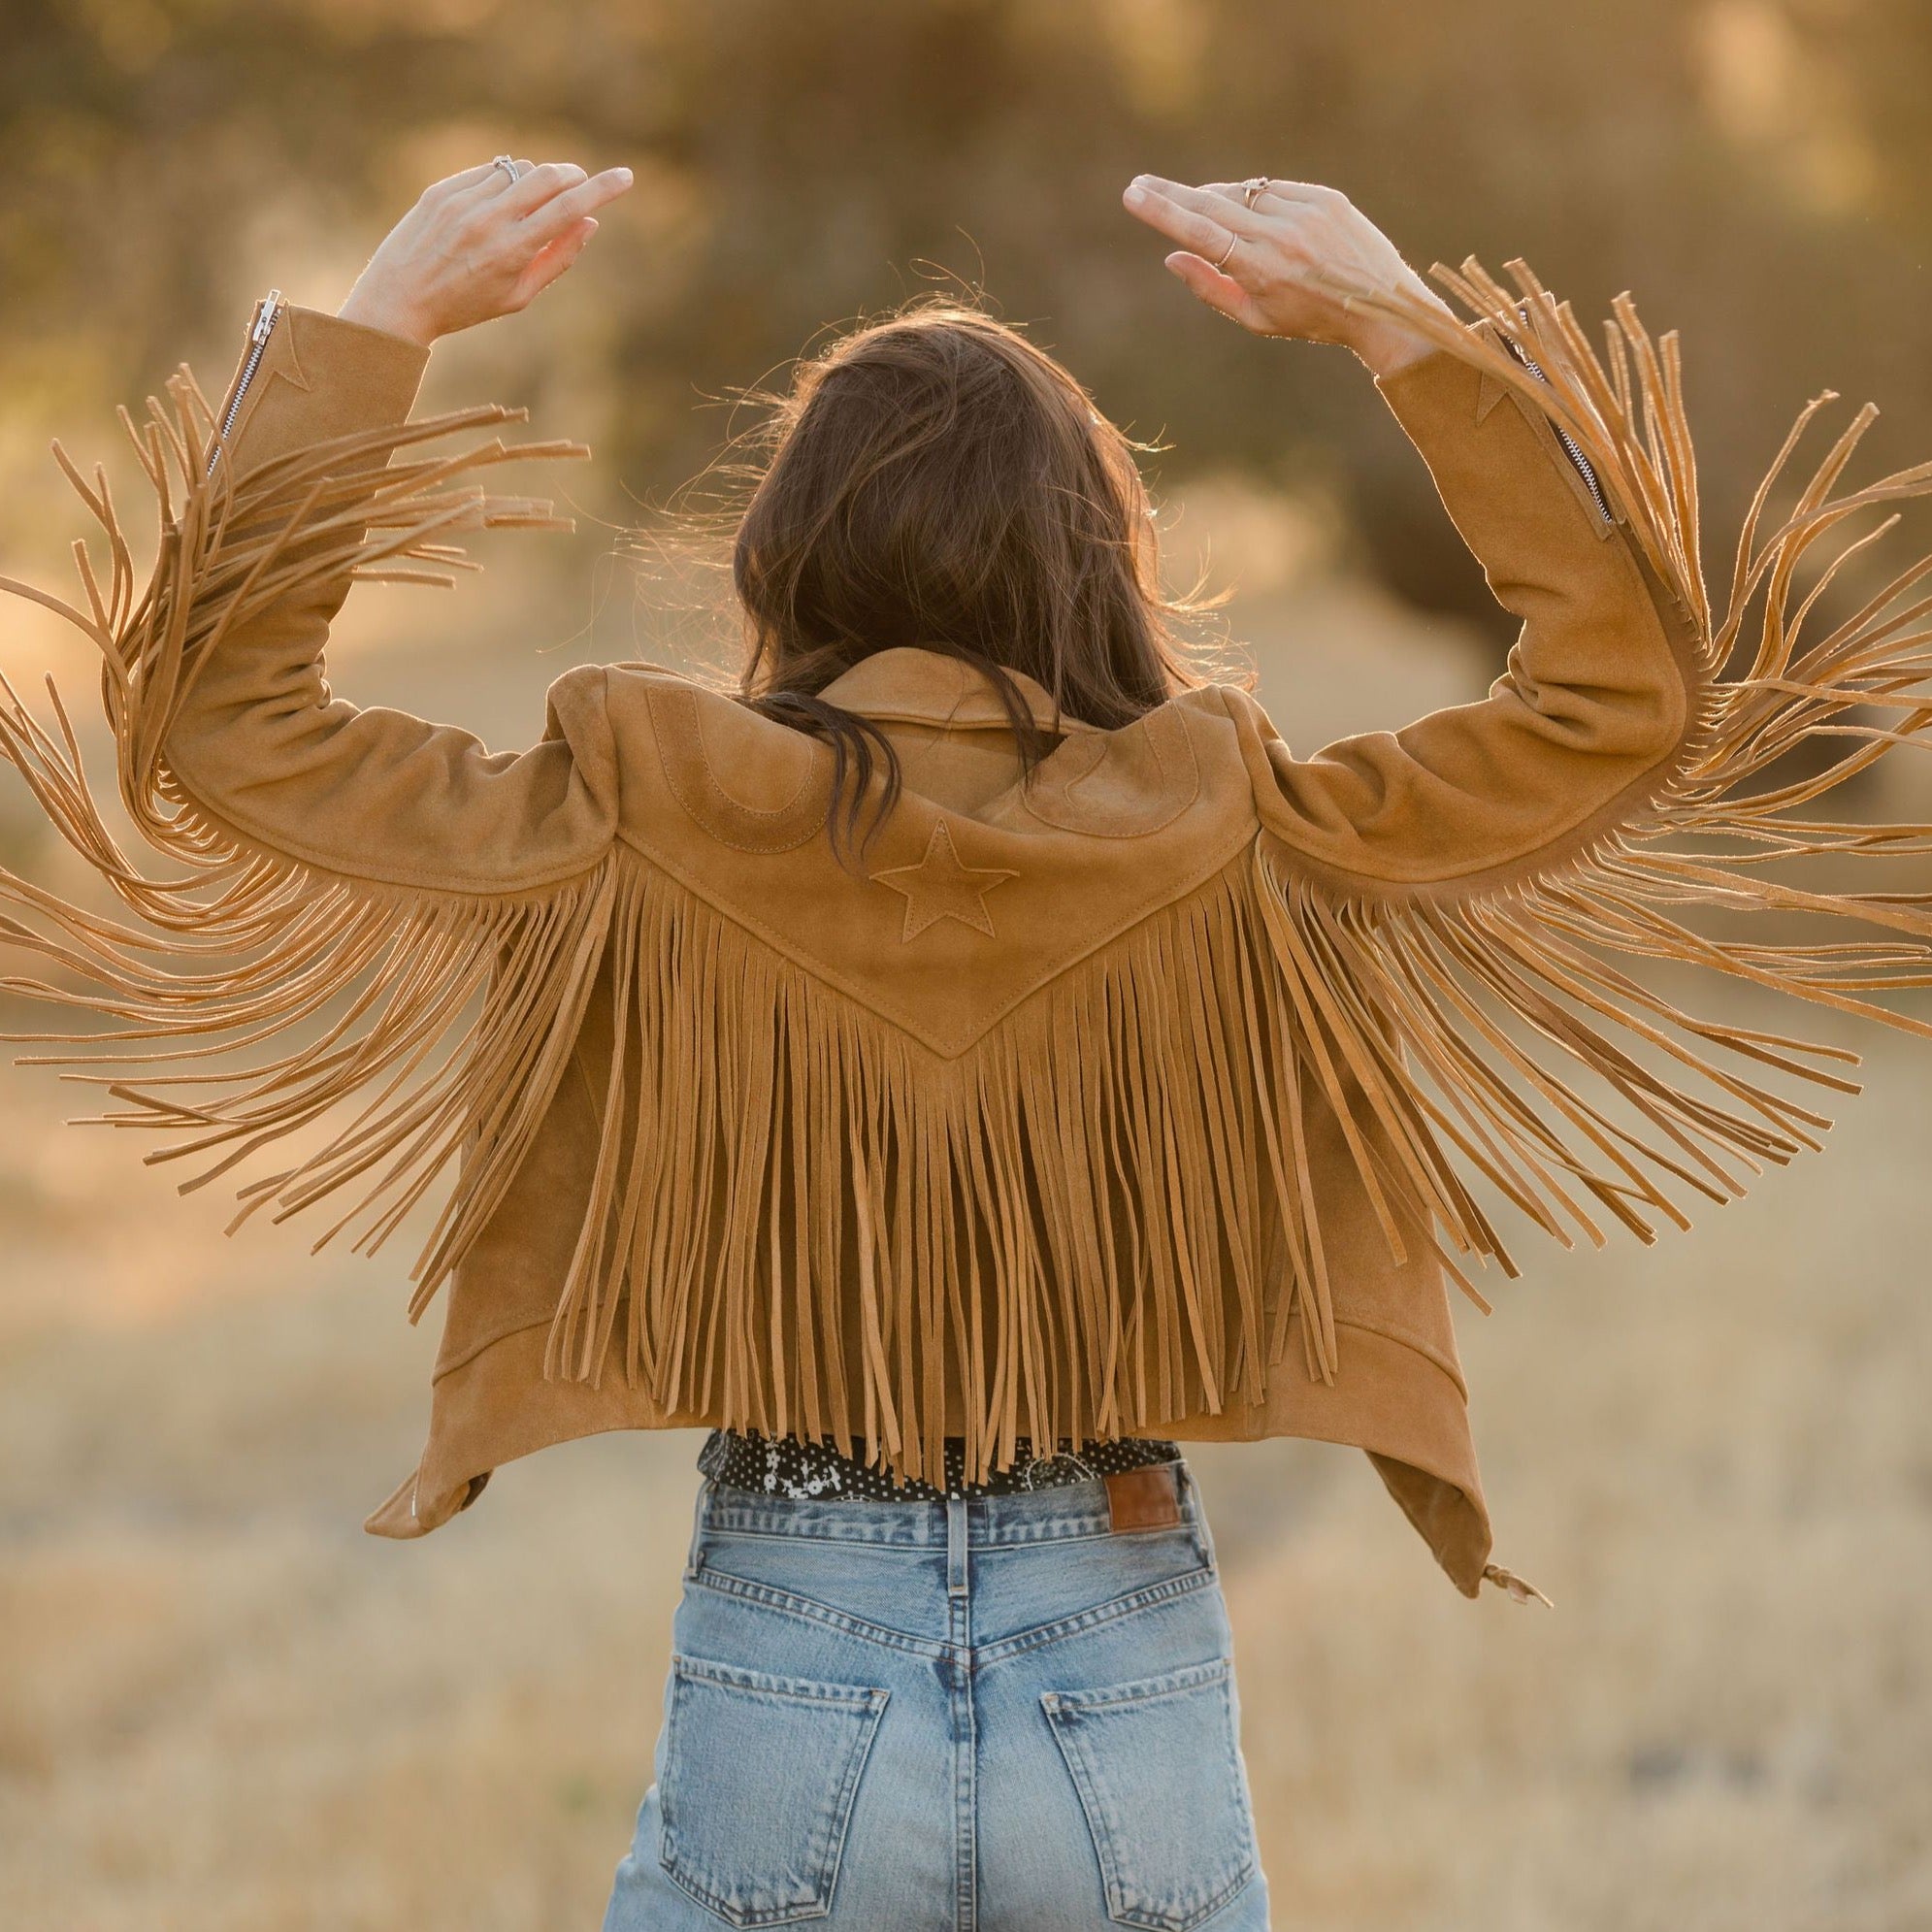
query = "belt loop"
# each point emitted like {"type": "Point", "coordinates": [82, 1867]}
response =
{"type": "Point", "coordinates": [695, 1556]}
{"type": "Point", "coordinates": [1193, 1513]}
{"type": "Point", "coordinates": [956, 1546]}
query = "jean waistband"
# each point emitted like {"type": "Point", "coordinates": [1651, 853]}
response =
{"type": "Point", "coordinates": [1036, 1516]}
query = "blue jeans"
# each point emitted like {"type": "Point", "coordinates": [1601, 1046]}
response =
{"type": "Point", "coordinates": [996, 1714]}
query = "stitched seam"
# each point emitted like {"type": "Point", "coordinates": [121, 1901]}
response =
{"type": "Point", "coordinates": [970, 689]}
{"type": "Point", "coordinates": [829, 976]}
{"type": "Point", "coordinates": [1132, 1696]}
{"type": "Point", "coordinates": [774, 812]}
{"type": "Point", "coordinates": [688, 694]}
{"type": "Point", "coordinates": [1552, 443]}
{"type": "Point", "coordinates": [815, 770]}
{"type": "Point", "coordinates": [1492, 390]}
{"type": "Point", "coordinates": [1415, 1345]}
{"type": "Point", "coordinates": [947, 723]}
{"type": "Point", "coordinates": [1148, 1691]}
{"type": "Point", "coordinates": [766, 1684]}
{"type": "Point", "coordinates": [730, 1519]}
{"type": "Point", "coordinates": [1167, 1922]}
{"type": "Point", "coordinates": [475, 1349]}
{"type": "Point", "coordinates": [265, 379]}
{"type": "Point", "coordinates": [1029, 800]}
{"type": "Point", "coordinates": [1149, 1598]}
{"type": "Point", "coordinates": [1163, 721]}
{"type": "Point", "coordinates": [783, 1603]}
{"type": "Point", "coordinates": [1101, 1822]}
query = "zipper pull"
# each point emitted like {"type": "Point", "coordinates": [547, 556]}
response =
{"type": "Point", "coordinates": [266, 311]}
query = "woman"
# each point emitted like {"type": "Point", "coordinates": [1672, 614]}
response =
{"type": "Point", "coordinates": [977, 1055]}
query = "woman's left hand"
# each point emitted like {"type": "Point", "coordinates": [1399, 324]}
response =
{"type": "Point", "coordinates": [478, 245]}
{"type": "Point", "coordinates": [1281, 260]}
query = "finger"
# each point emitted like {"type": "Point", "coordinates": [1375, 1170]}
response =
{"type": "Point", "coordinates": [552, 259]}
{"type": "Point", "coordinates": [556, 216]}
{"type": "Point", "coordinates": [1200, 234]}
{"type": "Point", "coordinates": [1251, 201]}
{"type": "Point", "coordinates": [1315, 191]}
{"type": "Point", "coordinates": [467, 178]}
{"type": "Point", "coordinates": [1220, 292]}
{"type": "Point", "coordinates": [1244, 193]}
{"type": "Point", "coordinates": [493, 180]}
{"type": "Point", "coordinates": [1216, 207]}
{"type": "Point", "coordinates": [539, 185]}
{"type": "Point", "coordinates": [1267, 199]}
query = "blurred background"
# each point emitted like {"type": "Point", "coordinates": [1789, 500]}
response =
{"type": "Point", "coordinates": [220, 1705]}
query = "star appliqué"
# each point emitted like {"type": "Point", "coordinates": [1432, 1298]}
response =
{"type": "Point", "coordinates": [940, 887]}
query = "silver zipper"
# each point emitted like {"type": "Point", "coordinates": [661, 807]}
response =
{"type": "Point", "coordinates": [268, 311]}
{"type": "Point", "coordinates": [1570, 449]}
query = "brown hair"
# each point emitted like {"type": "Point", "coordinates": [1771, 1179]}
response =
{"type": "Point", "coordinates": [937, 479]}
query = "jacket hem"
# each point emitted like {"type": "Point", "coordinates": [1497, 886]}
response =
{"type": "Point", "coordinates": [1392, 1400]}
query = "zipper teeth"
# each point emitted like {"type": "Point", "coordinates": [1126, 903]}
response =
{"type": "Point", "coordinates": [268, 311]}
{"type": "Point", "coordinates": [1583, 462]}
{"type": "Point", "coordinates": [1584, 467]}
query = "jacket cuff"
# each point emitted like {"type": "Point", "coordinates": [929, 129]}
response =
{"type": "Point", "coordinates": [1444, 400]}
{"type": "Point", "coordinates": [320, 377]}
{"type": "Point", "coordinates": [1440, 395]}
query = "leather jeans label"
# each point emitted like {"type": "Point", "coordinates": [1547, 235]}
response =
{"type": "Point", "coordinates": [1147, 1499]}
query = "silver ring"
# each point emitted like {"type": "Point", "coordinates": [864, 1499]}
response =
{"type": "Point", "coordinates": [1233, 242]}
{"type": "Point", "coordinates": [508, 164]}
{"type": "Point", "coordinates": [1253, 190]}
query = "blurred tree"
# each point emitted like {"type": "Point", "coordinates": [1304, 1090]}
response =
{"type": "Point", "coordinates": [1747, 166]}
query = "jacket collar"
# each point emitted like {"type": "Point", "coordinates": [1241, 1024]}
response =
{"type": "Point", "coordinates": [909, 684]}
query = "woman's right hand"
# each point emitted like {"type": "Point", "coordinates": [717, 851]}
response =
{"type": "Point", "coordinates": [478, 245]}
{"type": "Point", "coordinates": [1283, 261]}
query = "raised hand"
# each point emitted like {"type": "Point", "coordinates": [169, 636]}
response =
{"type": "Point", "coordinates": [478, 245]}
{"type": "Point", "coordinates": [1280, 258]}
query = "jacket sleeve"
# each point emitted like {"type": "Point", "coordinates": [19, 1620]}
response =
{"type": "Point", "coordinates": [1463, 912]}
{"type": "Point", "coordinates": [1583, 726]}
{"type": "Point", "coordinates": [372, 943]}
{"type": "Point", "coordinates": [258, 739]}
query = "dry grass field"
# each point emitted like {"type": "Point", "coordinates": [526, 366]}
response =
{"type": "Point", "coordinates": [223, 1709]}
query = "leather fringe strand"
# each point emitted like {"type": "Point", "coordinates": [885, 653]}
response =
{"type": "Point", "coordinates": [1464, 1019]}
{"type": "Point", "coordinates": [1098, 1218]}
{"type": "Point", "coordinates": [1060, 1229]}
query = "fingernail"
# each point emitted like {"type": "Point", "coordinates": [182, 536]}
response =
{"type": "Point", "coordinates": [623, 174]}
{"type": "Point", "coordinates": [1135, 194]}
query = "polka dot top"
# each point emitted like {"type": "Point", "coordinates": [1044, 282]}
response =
{"type": "Point", "coordinates": [794, 1466]}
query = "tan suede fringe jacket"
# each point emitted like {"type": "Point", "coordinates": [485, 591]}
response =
{"type": "Point", "coordinates": [1160, 1095]}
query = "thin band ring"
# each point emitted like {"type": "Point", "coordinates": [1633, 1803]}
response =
{"type": "Point", "coordinates": [508, 163]}
{"type": "Point", "coordinates": [1253, 190]}
{"type": "Point", "coordinates": [1233, 242]}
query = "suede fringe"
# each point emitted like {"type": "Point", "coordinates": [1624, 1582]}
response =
{"type": "Point", "coordinates": [801, 1214]}
{"type": "Point", "coordinates": [1098, 1218]}
{"type": "Point", "coordinates": [1463, 1019]}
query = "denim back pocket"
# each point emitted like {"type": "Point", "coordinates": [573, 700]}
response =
{"type": "Point", "coordinates": [1159, 1774]}
{"type": "Point", "coordinates": [759, 1774]}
